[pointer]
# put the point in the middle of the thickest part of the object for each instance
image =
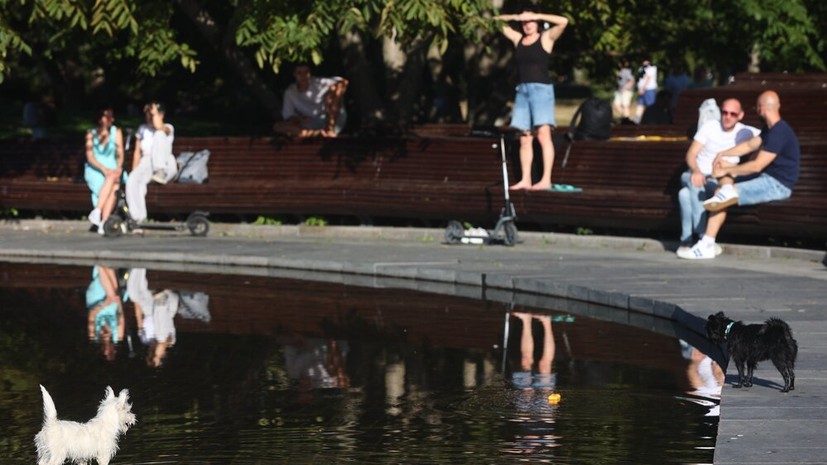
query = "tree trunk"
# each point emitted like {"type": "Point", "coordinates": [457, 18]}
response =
{"type": "Point", "coordinates": [223, 42]}
{"type": "Point", "coordinates": [404, 81]}
{"type": "Point", "coordinates": [491, 81]}
{"type": "Point", "coordinates": [363, 86]}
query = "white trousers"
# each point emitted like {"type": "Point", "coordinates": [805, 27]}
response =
{"type": "Point", "coordinates": [161, 162]}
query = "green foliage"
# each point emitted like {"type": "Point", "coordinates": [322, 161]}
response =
{"type": "Point", "coordinates": [783, 32]}
{"type": "Point", "coordinates": [315, 221]}
{"type": "Point", "coordinates": [267, 221]}
{"type": "Point", "coordinates": [9, 213]}
{"type": "Point", "coordinates": [133, 41]}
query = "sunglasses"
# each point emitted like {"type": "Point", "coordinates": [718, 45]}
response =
{"type": "Point", "coordinates": [729, 113]}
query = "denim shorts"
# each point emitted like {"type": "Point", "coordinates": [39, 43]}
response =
{"type": "Point", "coordinates": [648, 98]}
{"type": "Point", "coordinates": [761, 189]}
{"type": "Point", "coordinates": [533, 106]}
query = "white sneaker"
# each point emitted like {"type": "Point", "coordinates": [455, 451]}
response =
{"type": "Point", "coordinates": [160, 177]}
{"type": "Point", "coordinates": [700, 251]}
{"type": "Point", "coordinates": [95, 217]}
{"type": "Point", "coordinates": [101, 231]}
{"type": "Point", "coordinates": [685, 249]}
{"type": "Point", "coordinates": [723, 199]}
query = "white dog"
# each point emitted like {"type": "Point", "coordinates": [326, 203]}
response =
{"type": "Point", "coordinates": [96, 439]}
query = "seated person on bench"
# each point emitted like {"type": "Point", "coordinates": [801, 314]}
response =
{"type": "Point", "coordinates": [313, 105]}
{"type": "Point", "coordinates": [152, 160]}
{"type": "Point", "coordinates": [770, 176]}
{"type": "Point", "coordinates": [104, 166]}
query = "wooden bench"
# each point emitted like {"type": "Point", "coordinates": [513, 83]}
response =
{"type": "Point", "coordinates": [437, 173]}
{"type": "Point", "coordinates": [393, 177]}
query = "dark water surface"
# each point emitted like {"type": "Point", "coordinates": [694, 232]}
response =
{"type": "Point", "coordinates": [254, 370]}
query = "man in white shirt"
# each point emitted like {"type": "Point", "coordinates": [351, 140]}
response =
{"type": "Point", "coordinates": [698, 184]}
{"type": "Point", "coordinates": [312, 105]}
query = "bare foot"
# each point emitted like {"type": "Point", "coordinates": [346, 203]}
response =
{"type": "Point", "coordinates": [541, 186]}
{"type": "Point", "coordinates": [522, 185]}
{"type": "Point", "coordinates": [543, 318]}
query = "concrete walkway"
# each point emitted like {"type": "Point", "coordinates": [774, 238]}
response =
{"type": "Point", "coordinates": [648, 283]}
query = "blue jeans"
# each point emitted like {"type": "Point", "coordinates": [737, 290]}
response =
{"type": "Point", "coordinates": [761, 189]}
{"type": "Point", "coordinates": [691, 200]}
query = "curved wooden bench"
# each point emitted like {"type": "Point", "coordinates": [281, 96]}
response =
{"type": "Point", "coordinates": [439, 173]}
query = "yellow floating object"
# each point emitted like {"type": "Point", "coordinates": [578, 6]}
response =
{"type": "Point", "coordinates": [554, 398]}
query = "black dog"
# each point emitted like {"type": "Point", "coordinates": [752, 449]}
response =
{"type": "Point", "coordinates": [750, 344]}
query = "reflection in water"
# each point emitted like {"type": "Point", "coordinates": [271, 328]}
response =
{"type": "Point", "coordinates": [154, 315]}
{"type": "Point", "coordinates": [705, 378]}
{"type": "Point", "coordinates": [284, 371]}
{"type": "Point", "coordinates": [154, 312]}
{"type": "Point", "coordinates": [316, 363]}
{"type": "Point", "coordinates": [105, 322]}
{"type": "Point", "coordinates": [536, 401]}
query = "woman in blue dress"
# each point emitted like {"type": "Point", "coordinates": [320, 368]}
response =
{"type": "Point", "coordinates": [104, 166]}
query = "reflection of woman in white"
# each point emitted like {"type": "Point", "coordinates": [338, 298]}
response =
{"type": "Point", "coordinates": [154, 316]}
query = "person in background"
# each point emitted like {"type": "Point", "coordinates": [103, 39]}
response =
{"type": "Point", "coordinates": [104, 166]}
{"type": "Point", "coordinates": [313, 106]}
{"type": "Point", "coordinates": [647, 88]}
{"type": "Point", "coordinates": [658, 112]}
{"type": "Point", "coordinates": [534, 103]}
{"type": "Point", "coordinates": [675, 82]}
{"type": "Point", "coordinates": [623, 95]}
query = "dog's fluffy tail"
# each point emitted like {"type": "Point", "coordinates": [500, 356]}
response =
{"type": "Point", "coordinates": [785, 333]}
{"type": "Point", "coordinates": [49, 410]}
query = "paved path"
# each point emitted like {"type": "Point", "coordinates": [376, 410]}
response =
{"type": "Point", "coordinates": [757, 426]}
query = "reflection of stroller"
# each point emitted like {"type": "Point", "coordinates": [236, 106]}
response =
{"type": "Point", "coordinates": [120, 221]}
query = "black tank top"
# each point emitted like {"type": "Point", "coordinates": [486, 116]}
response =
{"type": "Point", "coordinates": [532, 62]}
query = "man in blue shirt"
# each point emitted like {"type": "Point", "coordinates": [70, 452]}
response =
{"type": "Point", "coordinates": [772, 174]}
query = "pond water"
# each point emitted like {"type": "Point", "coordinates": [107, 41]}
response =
{"type": "Point", "coordinates": [255, 370]}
